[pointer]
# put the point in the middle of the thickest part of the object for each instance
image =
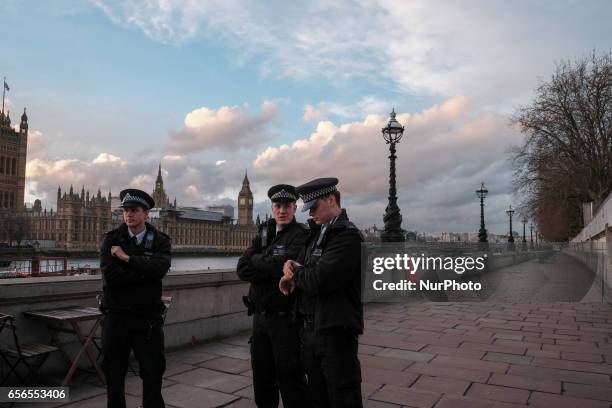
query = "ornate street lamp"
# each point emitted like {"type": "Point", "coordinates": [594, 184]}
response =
{"type": "Point", "coordinates": [510, 212]}
{"type": "Point", "coordinates": [482, 193]}
{"type": "Point", "coordinates": [392, 133]}
{"type": "Point", "coordinates": [531, 235]}
{"type": "Point", "coordinates": [524, 236]}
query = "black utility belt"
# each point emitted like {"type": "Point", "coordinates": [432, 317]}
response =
{"type": "Point", "coordinates": [279, 313]}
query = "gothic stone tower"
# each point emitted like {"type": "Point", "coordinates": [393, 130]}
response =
{"type": "Point", "coordinates": [159, 194]}
{"type": "Point", "coordinates": [245, 203]}
{"type": "Point", "coordinates": [13, 150]}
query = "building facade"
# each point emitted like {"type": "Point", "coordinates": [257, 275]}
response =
{"type": "Point", "coordinates": [13, 150]}
{"type": "Point", "coordinates": [80, 221]}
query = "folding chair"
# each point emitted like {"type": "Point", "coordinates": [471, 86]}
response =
{"type": "Point", "coordinates": [20, 354]}
{"type": "Point", "coordinates": [167, 303]}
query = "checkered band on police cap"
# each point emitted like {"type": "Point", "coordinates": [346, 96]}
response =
{"type": "Point", "coordinates": [318, 193]}
{"type": "Point", "coordinates": [283, 194]}
{"type": "Point", "coordinates": [131, 199]}
{"type": "Point", "coordinates": [132, 196]}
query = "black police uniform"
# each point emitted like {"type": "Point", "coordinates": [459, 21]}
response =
{"type": "Point", "coordinates": [275, 340]}
{"type": "Point", "coordinates": [133, 312]}
{"type": "Point", "coordinates": [329, 304]}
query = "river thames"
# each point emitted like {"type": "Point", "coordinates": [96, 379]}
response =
{"type": "Point", "coordinates": [187, 263]}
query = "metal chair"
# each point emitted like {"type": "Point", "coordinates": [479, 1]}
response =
{"type": "Point", "coordinates": [21, 354]}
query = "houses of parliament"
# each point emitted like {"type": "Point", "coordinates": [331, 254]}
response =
{"type": "Point", "coordinates": [81, 218]}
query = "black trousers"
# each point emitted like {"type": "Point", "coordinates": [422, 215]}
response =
{"type": "Point", "coordinates": [275, 347]}
{"type": "Point", "coordinates": [121, 334]}
{"type": "Point", "coordinates": [332, 367]}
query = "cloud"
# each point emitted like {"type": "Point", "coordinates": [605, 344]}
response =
{"type": "Point", "coordinates": [173, 157]}
{"type": "Point", "coordinates": [108, 158]}
{"type": "Point", "coordinates": [36, 143]}
{"type": "Point", "coordinates": [367, 105]}
{"type": "Point", "coordinates": [445, 152]}
{"type": "Point", "coordinates": [220, 162]}
{"type": "Point", "coordinates": [314, 113]}
{"type": "Point", "coordinates": [226, 128]}
{"type": "Point", "coordinates": [416, 46]}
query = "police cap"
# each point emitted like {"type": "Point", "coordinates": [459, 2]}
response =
{"type": "Point", "coordinates": [315, 189]}
{"type": "Point", "coordinates": [282, 193]}
{"type": "Point", "coordinates": [132, 197]}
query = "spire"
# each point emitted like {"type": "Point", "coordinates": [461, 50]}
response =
{"type": "Point", "coordinates": [246, 185]}
{"type": "Point", "coordinates": [23, 126]}
{"type": "Point", "coordinates": [159, 183]}
{"type": "Point", "coordinates": [59, 192]}
{"type": "Point", "coordinates": [71, 191]}
{"type": "Point", "coordinates": [83, 193]}
{"type": "Point", "coordinates": [99, 194]}
{"type": "Point", "coordinates": [87, 196]}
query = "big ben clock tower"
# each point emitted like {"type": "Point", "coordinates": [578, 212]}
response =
{"type": "Point", "coordinates": [245, 203]}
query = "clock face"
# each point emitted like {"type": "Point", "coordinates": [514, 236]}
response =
{"type": "Point", "coordinates": [242, 201]}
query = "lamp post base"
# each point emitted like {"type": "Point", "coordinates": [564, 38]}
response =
{"type": "Point", "coordinates": [482, 235]}
{"type": "Point", "coordinates": [392, 236]}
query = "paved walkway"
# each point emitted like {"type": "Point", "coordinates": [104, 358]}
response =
{"type": "Point", "coordinates": [427, 355]}
{"type": "Point", "coordinates": [433, 354]}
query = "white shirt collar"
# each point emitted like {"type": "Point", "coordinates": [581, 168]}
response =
{"type": "Point", "coordinates": [139, 237]}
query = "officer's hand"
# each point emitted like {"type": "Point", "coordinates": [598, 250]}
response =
{"type": "Point", "coordinates": [118, 252]}
{"type": "Point", "coordinates": [286, 285]}
{"type": "Point", "coordinates": [289, 267]}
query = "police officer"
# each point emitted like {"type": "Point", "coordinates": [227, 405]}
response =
{"type": "Point", "coordinates": [328, 278]}
{"type": "Point", "coordinates": [275, 339]}
{"type": "Point", "coordinates": [134, 258]}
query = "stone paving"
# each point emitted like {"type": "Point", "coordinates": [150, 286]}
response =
{"type": "Point", "coordinates": [505, 351]}
{"type": "Point", "coordinates": [443, 355]}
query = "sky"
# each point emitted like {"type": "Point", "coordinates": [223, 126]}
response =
{"type": "Point", "coordinates": [288, 92]}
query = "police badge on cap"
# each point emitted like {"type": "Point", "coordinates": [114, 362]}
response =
{"type": "Point", "coordinates": [132, 197]}
{"type": "Point", "coordinates": [282, 193]}
{"type": "Point", "coordinates": [315, 189]}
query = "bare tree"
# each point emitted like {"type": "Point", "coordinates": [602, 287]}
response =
{"type": "Point", "coordinates": [15, 227]}
{"type": "Point", "coordinates": [22, 228]}
{"type": "Point", "coordinates": [566, 158]}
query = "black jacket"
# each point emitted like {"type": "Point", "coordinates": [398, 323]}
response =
{"type": "Point", "coordinates": [134, 286]}
{"type": "Point", "coordinates": [262, 264]}
{"type": "Point", "coordinates": [330, 280]}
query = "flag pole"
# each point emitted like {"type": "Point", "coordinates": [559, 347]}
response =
{"type": "Point", "coordinates": [3, 91]}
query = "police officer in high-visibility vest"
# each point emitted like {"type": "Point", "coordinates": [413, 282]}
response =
{"type": "Point", "coordinates": [275, 340]}
{"type": "Point", "coordinates": [327, 276]}
{"type": "Point", "coordinates": [134, 258]}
